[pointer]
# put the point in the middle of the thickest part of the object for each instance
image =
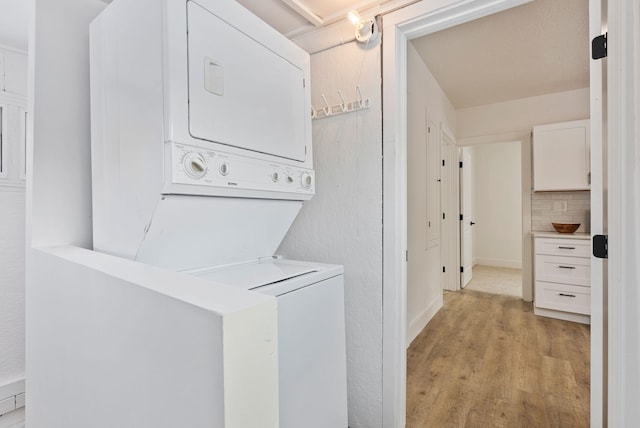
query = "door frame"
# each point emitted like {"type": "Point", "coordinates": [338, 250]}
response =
{"type": "Point", "coordinates": [399, 27]}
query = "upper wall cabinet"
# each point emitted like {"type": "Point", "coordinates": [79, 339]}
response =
{"type": "Point", "coordinates": [13, 72]}
{"type": "Point", "coordinates": [561, 156]}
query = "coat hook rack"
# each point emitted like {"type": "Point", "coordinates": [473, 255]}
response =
{"type": "Point", "coordinates": [359, 103]}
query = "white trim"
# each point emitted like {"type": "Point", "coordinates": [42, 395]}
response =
{"type": "Point", "coordinates": [12, 388]}
{"type": "Point", "coordinates": [566, 316]}
{"type": "Point", "coordinates": [304, 11]}
{"type": "Point", "coordinates": [4, 142]}
{"type": "Point", "coordinates": [420, 322]}
{"type": "Point", "coordinates": [598, 352]}
{"type": "Point", "coordinates": [413, 21]}
{"type": "Point", "coordinates": [22, 142]}
{"type": "Point", "coordinates": [511, 264]}
{"type": "Point", "coordinates": [623, 145]}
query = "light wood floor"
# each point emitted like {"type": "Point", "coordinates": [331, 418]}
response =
{"type": "Point", "coordinates": [488, 361]}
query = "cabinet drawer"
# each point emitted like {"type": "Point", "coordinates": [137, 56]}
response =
{"type": "Point", "coordinates": [565, 270]}
{"type": "Point", "coordinates": [563, 247]}
{"type": "Point", "coordinates": [563, 297]}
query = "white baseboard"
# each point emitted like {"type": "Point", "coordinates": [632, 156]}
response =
{"type": "Point", "coordinates": [420, 322]}
{"type": "Point", "coordinates": [513, 264]}
{"type": "Point", "coordinates": [12, 388]}
{"type": "Point", "coordinates": [567, 316]}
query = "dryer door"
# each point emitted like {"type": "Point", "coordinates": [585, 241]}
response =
{"type": "Point", "coordinates": [241, 93]}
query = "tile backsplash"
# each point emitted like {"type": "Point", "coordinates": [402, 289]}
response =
{"type": "Point", "coordinates": [560, 207]}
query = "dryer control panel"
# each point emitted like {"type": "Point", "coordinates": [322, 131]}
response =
{"type": "Point", "coordinates": [192, 165]}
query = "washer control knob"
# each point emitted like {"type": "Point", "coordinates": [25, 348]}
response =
{"type": "Point", "coordinates": [306, 180]}
{"type": "Point", "coordinates": [195, 165]}
{"type": "Point", "coordinates": [275, 176]}
{"type": "Point", "coordinates": [223, 169]}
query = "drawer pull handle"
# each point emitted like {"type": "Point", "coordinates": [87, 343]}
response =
{"type": "Point", "coordinates": [567, 248]}
{"type": "Point", "coordinates": [566, 295]}
{"type": "Point", "coordinates": [566, 267]}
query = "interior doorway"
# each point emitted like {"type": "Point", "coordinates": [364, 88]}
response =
{"type": "Point", "coordinates": [400, 28]}
{"type": "Point", "coordinates": [491, 218]}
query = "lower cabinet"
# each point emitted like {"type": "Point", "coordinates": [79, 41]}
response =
{"type": "Point", "coordinates": [562, 269]}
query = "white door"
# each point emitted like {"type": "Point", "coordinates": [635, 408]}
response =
{"type": "Point", "coordinates": [466, 216]}
{"type": "Point", "coordinates": [449, 199]}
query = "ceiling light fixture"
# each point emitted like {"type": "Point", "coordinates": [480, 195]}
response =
{"type": "Point", "coordinates": [366, 29]}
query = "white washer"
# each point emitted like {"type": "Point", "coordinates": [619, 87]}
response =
{"type": "Point", "coordinates": [311, 335]}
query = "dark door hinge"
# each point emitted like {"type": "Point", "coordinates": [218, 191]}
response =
{"type": "Point", "coordinates": [444, 269]}
{"type": "Point", "coordinates": [461, 269]}
{"type": "Point", "coordinates": [601, 246]}
{"type": "Point", "coordinates": [444, 217]}
{"type": "Point", "coordinates": [460, 164]}
{"type": "Point", "coordinates": [461, 217]}
{"type": "Point", "coordinates": [599, 47]}
{"type": "Point", "coordinates": [442, 162]}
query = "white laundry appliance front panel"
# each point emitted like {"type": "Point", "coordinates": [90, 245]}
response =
{"type": "Point", "coordinates": [152, 78]}
{"type": "Point", "coordinates": [241, 93]}
{"type": "Point", "coordinates": [311, 335]}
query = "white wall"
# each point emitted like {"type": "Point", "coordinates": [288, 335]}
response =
{"type": "Point", "coordinates": [11, 285]}
{"type": "Point", "coordinates": [343, 222]}
{"type": "Point", "coordinates": [521, 115]}
{"type": "Point", "coordinates": [13, 90]}
{"type": "Point", "coordinates": [59, 189]}
{"type": "Point", "coordinates": [497, 191]}
{"type": "Point", "coordinates": [425, 98]}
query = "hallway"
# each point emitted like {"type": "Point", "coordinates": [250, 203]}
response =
{"type": "Point", "coordinates": [488, 361]}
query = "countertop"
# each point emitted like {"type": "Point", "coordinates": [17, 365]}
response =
{"type": "Point", "coordinates": [580, 235]}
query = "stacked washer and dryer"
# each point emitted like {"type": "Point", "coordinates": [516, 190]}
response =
{"type": "Point", "coordinates": [201, 160]}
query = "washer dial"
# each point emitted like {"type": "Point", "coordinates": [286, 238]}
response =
{"type": "Point", "coordinates": [195, 165]}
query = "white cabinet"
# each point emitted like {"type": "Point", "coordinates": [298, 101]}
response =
{"type": "Point", "coordinates": [561, 156]}
{"type": "Point", "coordinates": [562, 269]}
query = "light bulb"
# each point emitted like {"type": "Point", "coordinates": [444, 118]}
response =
{"type": "Point", "coordinates": [354, 17]}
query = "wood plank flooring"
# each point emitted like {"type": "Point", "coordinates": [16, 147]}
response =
{"type": "Point", "coordinates": [487, 361]}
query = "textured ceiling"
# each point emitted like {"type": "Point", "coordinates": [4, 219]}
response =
{"type": "Point", "coordinates": [14, 23]}
{"type": "Point", "coordinates": [539, 48]}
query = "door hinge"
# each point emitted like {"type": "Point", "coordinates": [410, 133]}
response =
{"type": "Point", "coordinates": [601, 246]}
{"type": "Point", "coordinates": [442, 162]}
{"type": "Point", "coordinates": [461, 217]}
{"type": "Point", "coordinates": [406, 256]}
{"type": "Point", "coordinates": [599, 47]}
{"type": "Point", "coordinates": [460, 164]}
{"type": "Point", "coordinates": [461, 269]}
{"type": "Point", "coordinates": [304, 83]}
{"type": "Point", "coordinates": [444, 217]}
{"type": "Point", "coordinates": [444, 269]}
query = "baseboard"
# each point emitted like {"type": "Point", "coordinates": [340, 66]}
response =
{"type": "Point", "coordinates": [12, 398]}
{"type": "Point", "coordinates": [513, 264]}
{"type": "Point", "coordinates": [12, 388]}
{"type": "Point", "coordinates": [566, 316]}
{"type": "Point", "coordinates": [420, 322]}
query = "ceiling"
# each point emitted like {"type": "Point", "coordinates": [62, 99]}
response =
{"type": "Point", "coordinates": [539, 48]}
{"type": "Point", "coordinates": [14, 23]}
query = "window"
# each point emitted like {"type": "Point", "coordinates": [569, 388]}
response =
{"type": "Point", "coordinates": [3, 142]}
{"type": "Point", "coordinates": [23, 144]}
